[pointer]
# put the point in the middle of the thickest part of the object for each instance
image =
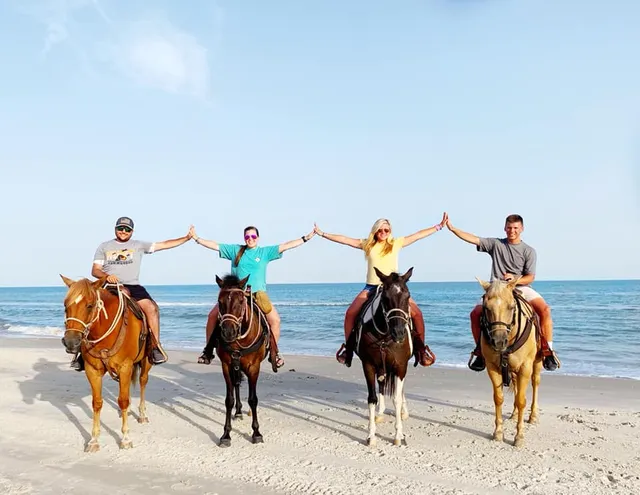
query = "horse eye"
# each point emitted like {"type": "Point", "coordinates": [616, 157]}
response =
{"type": "Point", "coordinates": [89, 306]}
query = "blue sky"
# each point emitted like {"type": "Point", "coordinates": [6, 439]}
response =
{"type": "Point", "coordinates": [279, 114]}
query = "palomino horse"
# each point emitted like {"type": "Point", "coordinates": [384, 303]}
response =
{"type": "Point", "coordinates": [242, 344]}
{"type": "Point", "coordinates": [384, 346]}
{"type": "Point", "coordinates": [111, 333]}
{"type": "Point", "coordinates": [511, 349]}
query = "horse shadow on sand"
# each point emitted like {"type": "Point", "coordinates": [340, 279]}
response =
{"type": "Point", "coordinates": [195, 395]}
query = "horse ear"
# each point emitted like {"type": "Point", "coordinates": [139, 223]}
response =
{"type": "Point", "coordinates": [513, 283]}
{"type": "Point", "coordinates": [219, 281]}
{"type": "Point", "coordinates": [67, 281]}
{"type": "Point", "coordinates": [485, 285]}
{"type": "Point", "coordinates": [380, 275]}
{"type": "Point", "coordinates": [98, 284]}
{"type": "Point", "coordinates": [407, 275]}
{"type": "Point", "coordinates": [244, 281]}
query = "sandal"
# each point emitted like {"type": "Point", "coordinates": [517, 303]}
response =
{"type": "Point", "coordinates": [204, 359]}
{"type": "Point", "coordinates": [279, 361]}
{"type": "Point", "coordinates": [341, 355]}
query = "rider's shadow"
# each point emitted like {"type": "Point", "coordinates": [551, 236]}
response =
{"type": "Point", "coordinates": [54, 385]}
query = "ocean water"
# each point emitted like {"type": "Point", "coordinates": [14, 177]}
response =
{"type": "Point", "coordinates": [596, 324]}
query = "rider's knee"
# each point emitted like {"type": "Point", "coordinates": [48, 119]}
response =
{"type": "Point", "coordinates": [273, 318]}
{"type": "Point", "coordinates": [544, 311]}
{"type": "Point", "coordinates": [474, 316]}
{"type": "Point", "coordinates": [416, 312]}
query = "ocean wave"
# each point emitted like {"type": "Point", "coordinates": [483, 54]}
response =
{"type": "Point", "coordinates": [275, 303]}
{"type": "Point", "coordinates": [28, 330]}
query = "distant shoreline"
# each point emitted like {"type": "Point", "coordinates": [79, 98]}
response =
{"type": "Point", "coordinates": [434, 282]}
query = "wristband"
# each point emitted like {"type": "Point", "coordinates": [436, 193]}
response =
{"type": "Point", "coordinates": [437, 227]}
{"type": "Point", "coordinates": [304, 239]}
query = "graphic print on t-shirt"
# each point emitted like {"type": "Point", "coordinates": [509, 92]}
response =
{"type": "Point", "coordinates": [119, 257]}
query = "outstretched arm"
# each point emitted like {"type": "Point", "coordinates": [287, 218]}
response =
{"type": "Point", "coordinates": [465, 236]}
{"type": "Point", "coordinates": [203, 242]}
{"type": "Point", "coordinates": [171, 243]}
{"type": "Point", "coordinates": [340, 239]}
{"type": "Point", "coordinates": [421, 234]}
{"type": "Point", "coordinates": [296, 242]}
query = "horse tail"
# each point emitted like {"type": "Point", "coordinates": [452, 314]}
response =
{"type": "Point", "coordinates": [135, 375]}
{"type": "Point", "coordinates": [389, 381]}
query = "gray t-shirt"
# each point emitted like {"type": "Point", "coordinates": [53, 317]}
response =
{"type": "Point", "coordinates": [123, 259]}
{"type": "Point", "coordinates": [518, 259]}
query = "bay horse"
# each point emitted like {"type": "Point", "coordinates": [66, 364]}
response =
{"type": "Point", "coordinates": [384, 345]}
{"type": "Point", "coordinates": [242, 343]}
{"type": "Point", "coordinates": [511, 346]}
{"type": "Point", "coordinates": [110, 331]}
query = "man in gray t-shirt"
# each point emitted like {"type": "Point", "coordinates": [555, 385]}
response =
{"type": "Point", "coordinates": [511, 258]}
{"type": "Point", "coordinates": [118, 260]}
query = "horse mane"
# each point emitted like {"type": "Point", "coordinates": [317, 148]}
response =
{"type": "Point", "coordinates": [230, 282]}
{"type": "Point", "coordinates": [82, 288]}
{"type": "Point", "coordinates": [497, 289]}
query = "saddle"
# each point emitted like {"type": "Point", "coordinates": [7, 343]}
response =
{"type": "Point", "coordinates": [133, 306]}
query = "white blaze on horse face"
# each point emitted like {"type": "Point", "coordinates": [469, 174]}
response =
{"type": "Point", "coordinates": [78, 299]}
{"type": "Point", "coordinates": [397, 289]}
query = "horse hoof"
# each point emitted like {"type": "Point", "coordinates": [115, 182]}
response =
{"type": "Point", "coordinates": [404, 416]}
{"type": "Point", "coordinates": [225, 442]}
{"type": "Point", "coordinates": [249, 413]}
{"type": "Point", "coordinates": [92, 447]}
{"type": "Point", "coordinates": [379, 419]}
{"type": "Point", "coordinates": [143, 420]}
{"type": "Point", "coordinates": [371, 442]}
{"type": "Point", "coordinates": [238, 416]}
{"type": "Point", "coordinates": [257, 439]}
{"type": "Point", "coordinates": [533, 420]}
{"type": "Point", "coordinates": [397, 442]}
{"type": "Point", "coordinates": [126, 445]}
{"type": "Point", "coordinates": [518, 442]}
{"type": "Point", "coordinates": [498, 437]}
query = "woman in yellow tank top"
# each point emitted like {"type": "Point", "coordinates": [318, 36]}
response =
{"type": "Point", "coordinates": [381, 250]}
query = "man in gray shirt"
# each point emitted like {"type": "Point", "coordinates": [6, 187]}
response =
{"type": "Point", "coordinates": [119, 260]}
{"type": "Point", "coordinates": [511, 257]}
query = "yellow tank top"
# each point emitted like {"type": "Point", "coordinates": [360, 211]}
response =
{"type": "Point", "coordinates": [385, 263]}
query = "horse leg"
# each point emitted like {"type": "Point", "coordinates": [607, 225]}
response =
{"type": "Point", "coordinates": [535, 383]}
{"type": "Point", "coordinates": [521, 400]}
{"type": "Point", "coordinates": [238, 414]}
{"type": "Point", "coordinates": [124, 400]}
{"type": "Point", "coordinates": [405, 409]}
{"type": "Point", "coordinates": [514, 413]}
{"type": "Point", "coordinates": [372, 399]}
{"type": "Point", "coordinates": [225, 439]}
{"type": "Point", "coordinates": [397, 400]}
{"type": "Point", "coordinates": [498, 398]}
{"type": "Point", "coordinates": [95, 381]}
{"type": "Point", "coordinates": [253, 404]}
{"type": "Point", "coordinates": [381, 403]}
{"type": "Point", "coordinates": [145, 367]}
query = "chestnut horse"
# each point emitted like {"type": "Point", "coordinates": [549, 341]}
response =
{"type": "Point", "coordinates": [384, 346]}
{"type": "Point", "coordinates": [110, 331]}
{"type": "Point", "coordinates": [510, 343]}
{"type": "Point", "coordinates": [242, 345]}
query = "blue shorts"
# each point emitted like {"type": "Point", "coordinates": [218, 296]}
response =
{"type": "Point", "coordinates": [370, 288]}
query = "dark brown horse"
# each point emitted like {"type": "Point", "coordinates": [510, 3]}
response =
{"type": "Point", "coordinates": [111, 333]}
{"type": "Point", "coordinates": [242, 344]}
{"type": "Point", "coordinates": [384, 346]}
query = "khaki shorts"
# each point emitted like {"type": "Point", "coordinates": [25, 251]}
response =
{"type": "Point", "coordinates": [262, 300]}
{"type": "Point", "coordinates": [527, 292]}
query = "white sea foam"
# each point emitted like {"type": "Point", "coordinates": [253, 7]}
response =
{"type": "Point", "coordinates": [27, 330]}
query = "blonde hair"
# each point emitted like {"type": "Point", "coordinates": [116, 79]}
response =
{"type": "Point", "coordinates": [371, 240]}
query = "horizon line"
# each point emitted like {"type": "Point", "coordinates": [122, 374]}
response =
{"type": "Point", "coordinates": [339, 283]}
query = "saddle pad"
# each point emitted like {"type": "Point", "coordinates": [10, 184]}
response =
{"type": "Point", "coordinates": [370, 307]}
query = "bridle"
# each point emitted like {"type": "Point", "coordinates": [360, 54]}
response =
{"type": "Point", "coordinates": [97, 310]}
{"type": "Point", "coordinates": [490, 327]}
{"type": "Point", "coordinates": [392, 314]}
{"type": "Point", "coordinates": [236, 321]}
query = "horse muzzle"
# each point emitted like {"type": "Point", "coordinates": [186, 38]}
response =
{"type": "Point", "coordinates": [71, 343]}
{"type": "Point", "coordinates": [398, 333]}
{"type": "Point", "coordinates": [229, 332]}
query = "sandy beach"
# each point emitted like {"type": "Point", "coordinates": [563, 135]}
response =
{"type": "Point", "coordinates": [313, 416]}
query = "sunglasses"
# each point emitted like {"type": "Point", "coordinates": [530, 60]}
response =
{"type": "Point", "coordinates": [123, 229]}
{"type": "Point", "coordinates": [250, 236]}
{"type": "Point", "coordinates": [384, 231]}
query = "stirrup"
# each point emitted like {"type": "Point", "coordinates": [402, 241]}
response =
{"type": "Point", "coordinates": [164, 358]}
{"type": "Point", "coordinates": [206, 359]}
{"type": "Point", "coordinates": [429, 354]}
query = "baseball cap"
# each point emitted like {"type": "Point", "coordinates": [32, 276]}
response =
{"type": "Point", "coordinates": [124, 222]}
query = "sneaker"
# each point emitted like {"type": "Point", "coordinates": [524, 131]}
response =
{"type": "Point", "coordinates": [476, 363]}
{"type": "Point", "coordinates": [157, 357]}
{"type": "Point", "coordinates": [550, 362]}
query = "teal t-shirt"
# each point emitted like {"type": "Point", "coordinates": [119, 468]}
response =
{"type": "Point", "coordinates": [253, 263]}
